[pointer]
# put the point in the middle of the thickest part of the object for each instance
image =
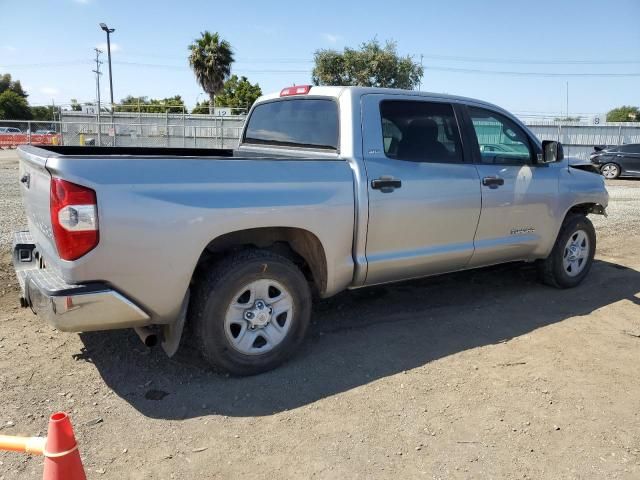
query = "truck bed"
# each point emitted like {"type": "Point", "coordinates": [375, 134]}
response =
{"type": "Point", "coordinates": [138, 151]}
{"type": "Point", "coordinates": [159, 208]}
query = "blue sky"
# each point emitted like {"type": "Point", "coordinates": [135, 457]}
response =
{"type": "Point", "coordinates": [48, 46]}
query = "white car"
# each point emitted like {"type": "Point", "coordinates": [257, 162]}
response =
{"type": "Point", "coordinates": [9, 130]}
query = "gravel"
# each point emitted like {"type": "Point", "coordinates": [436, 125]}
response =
{"type": "Point", "coordinates": [11, 212]}
{"type": "Point", "coordinates": [623, 212]}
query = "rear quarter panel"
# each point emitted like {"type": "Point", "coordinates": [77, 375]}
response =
{"type": "Point", "coordinates": [157, 215]}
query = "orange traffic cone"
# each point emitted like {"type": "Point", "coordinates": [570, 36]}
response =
{"type": "Point", "coordinates": [61, 456]}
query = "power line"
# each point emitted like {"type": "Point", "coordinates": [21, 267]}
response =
{"type": "Point", "coordinates": [455, 58]}
{"type": "Point", "coordinates": [531, 62]}
{"type": "Point", "coordinates": [293, 71]}
{"type": "Point", "coordinates": [533, 74]}
{"type": "Point", "coordinates": [47, 64]}
{"type": "Point", "coordinates": [427, 68]}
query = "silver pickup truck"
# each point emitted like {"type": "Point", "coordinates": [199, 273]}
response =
{"type": "Point", "coordinates": [330, 188]}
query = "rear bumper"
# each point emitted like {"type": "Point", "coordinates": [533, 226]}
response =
{"type": "Point", "coordinates": [70, 308]}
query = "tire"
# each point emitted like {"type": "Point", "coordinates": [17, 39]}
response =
{"type": "Point", "coordinates": [234, 330]}
{"type": "Point", "coordinates": [610, 170]}
{"type": "Point", "coordinates": [576, 240]}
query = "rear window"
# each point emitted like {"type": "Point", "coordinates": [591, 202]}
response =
{"type": "Point", "coordinates": [310, 123]}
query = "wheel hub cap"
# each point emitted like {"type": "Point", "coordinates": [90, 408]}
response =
{"type": "Point", "coordinates": [576, 253]}
{"type": "Point", "coordinates": [259, 317]}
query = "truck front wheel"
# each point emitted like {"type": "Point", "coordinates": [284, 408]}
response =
{"type": "Point", "coordinates": [250, 311]}
{"type": "Point", "coordinates": [572, 255]}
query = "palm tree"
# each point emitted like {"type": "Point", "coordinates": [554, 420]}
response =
{"type": "Point", "coordinates": [210, 59]}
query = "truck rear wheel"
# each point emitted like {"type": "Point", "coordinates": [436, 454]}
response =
{"type": "Point", "coordinates": [250, 312]}
{"type": "Point", "coordinates": [572, 255]}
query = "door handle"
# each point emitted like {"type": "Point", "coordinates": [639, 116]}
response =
{"type": "Point", "coordinates": [386, 184]}
{"type": "Point", "coordinates": [492, 182]}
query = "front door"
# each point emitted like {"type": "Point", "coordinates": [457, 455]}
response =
{"type": "Point", "coordinates": [518, 193]}
{"type": "Point", "coordinates": [424, 191]}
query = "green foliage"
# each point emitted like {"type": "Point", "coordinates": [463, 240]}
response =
{"type": "Point", "coordinates": [6, 83]}
{"type": "Point", "coordinates": [371, 66]}
{"type": "Point", "coordinates": [42, 113]}
{"type": "Point", "coordinates": [626, 113]}
{"type": "Point", "coordinates": [210, 59]}
{"type": "Point", "coordinates": [173, 104]}
{"type": "Point", "coordinates": [236, 93]}
{"type": "Point", "coordinates": [13, 106]}
{"type": "Point", "coordinates": [75, 105]}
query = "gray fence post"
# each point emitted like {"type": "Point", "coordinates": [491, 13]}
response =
{"type": "Point", "coordinates": [29, 131]}
{"type": "Point", "coordinates": [184, 128]}
{"type": "Point", "coordinates": [619, 134]}
{"type": "Point", "coordinates": [221, 132]}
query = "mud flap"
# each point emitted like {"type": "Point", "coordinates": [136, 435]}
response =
{"type": "Point", "coordinates": [172, 332]}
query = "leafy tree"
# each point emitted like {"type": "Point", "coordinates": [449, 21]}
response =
{"type": "Point", "coordinates": [210, 59]}
{"type": "Point", "coordinates": [13, 106]}
{"type": "Point", "coordinates": [7, 84]}
{"type": "Point", "coordinates": [626, 113]}
{"type": "Point", "coordinates": [236, 93]}
{"type": "Point", "coordinates": [173, 104]}
{"type": "Point", "coordinates": [42, 113]}
{"type": "Point", "coordinates": [371, 66]}
{"type": "Point", "coordinates": [75, 106]}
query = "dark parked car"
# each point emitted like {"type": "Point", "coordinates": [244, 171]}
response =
{"type": "Point", "coordinates": [616, 161]}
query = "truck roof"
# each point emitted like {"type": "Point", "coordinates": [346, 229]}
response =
{"type": "Point", "coordinates": [336, 92]}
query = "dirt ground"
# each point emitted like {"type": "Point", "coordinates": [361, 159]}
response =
{"type": "Point", "coordinates": [484, 374]}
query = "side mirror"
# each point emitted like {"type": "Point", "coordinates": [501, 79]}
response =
{"type": "Point", "coordinates": [551, 151]}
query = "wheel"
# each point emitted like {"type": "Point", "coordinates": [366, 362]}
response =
{"type": "Point", "coordinates": [610, 170]}
{"type": "Point", "coordinates": [572, 255]}
{"type": "Point", "coordinates": [250, 312]}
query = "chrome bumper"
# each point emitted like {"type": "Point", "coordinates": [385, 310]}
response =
{"type": "Point", "coordinates": [70, 308]}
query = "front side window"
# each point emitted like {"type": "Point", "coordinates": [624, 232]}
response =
{"type": "Point", "coordinates": [311, 123]}
{"type": "Point", "coordinates": [420, 131]}
{"type": "Point", "coordinates": [500, 139]}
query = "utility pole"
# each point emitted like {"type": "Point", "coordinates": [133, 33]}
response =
{"type": "Point", "coordinates": [98, 73]}
{"type": "Point", "coordinates": [109, 31]}
{"type": "Point", "coordinates": [422, 68]}
{"type": "Point", "coordinates": [567, 101]}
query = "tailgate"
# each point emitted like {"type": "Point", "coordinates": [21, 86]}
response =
{"type": "Point", "coordinates": [34, 188]}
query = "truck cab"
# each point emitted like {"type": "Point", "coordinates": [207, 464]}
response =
{"type": "Point", "coordinates": [330, 188]}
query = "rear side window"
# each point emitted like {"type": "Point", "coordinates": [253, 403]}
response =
{"type": "Point", "coordinates": [631, 148]}
{"type": "Point", "coordinates": [310, 123]}
{"type": "Point", "coordinates": [420, 131]}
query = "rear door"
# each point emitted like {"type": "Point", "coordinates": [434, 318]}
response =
{"type": "Point", "coordinates": [518, 193]}
{"type": "Point", "coordinates": [629, 158]}
{"type": "Point", "coordinates": [424, 192]}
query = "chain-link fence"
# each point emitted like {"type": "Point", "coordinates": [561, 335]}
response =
{"type": "Point", "coordinates": [121, 130]}
{"type": "Point", "coordinates": [14, 133]}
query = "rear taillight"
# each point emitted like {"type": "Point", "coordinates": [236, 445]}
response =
{"type": "Point", "coordinates": [74, 218]}
{"type": "Point", "coordinates": [295, 90]}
